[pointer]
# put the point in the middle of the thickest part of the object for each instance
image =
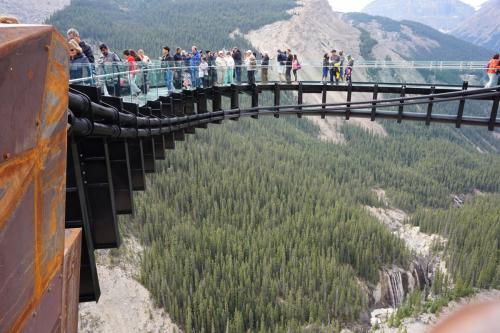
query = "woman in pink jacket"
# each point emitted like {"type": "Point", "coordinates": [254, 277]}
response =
{"type": "Point", "coordinates": [295, 66]}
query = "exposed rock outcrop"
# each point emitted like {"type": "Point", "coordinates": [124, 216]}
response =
{"type": "Point", "coordinates": [395, 283]}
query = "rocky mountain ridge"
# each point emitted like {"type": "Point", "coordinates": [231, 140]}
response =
{"type": "Point", "coordinates": [443, 15]}
{"type": "Point", "coordinates": [483, 28]}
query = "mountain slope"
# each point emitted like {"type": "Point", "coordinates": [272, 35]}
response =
{"type": "Point", "coordinates": [413, 41]}
{"type": "Point", "coordinates": [31, 11]}
{"type": "Point", "coordinates": [483, 28]}
{"type": "Point", "coordinates": [442, 15]}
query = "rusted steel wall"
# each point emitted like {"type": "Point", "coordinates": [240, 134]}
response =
{"type": "Point", "coordinates": [33, 120]}
{"type": "Point", "coordinates": [71, 279]}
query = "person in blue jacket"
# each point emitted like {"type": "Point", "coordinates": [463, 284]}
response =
{"type": "Point", "coordinates": [79, 64]}
{"type": "Point", "coordinates": [194, 63]}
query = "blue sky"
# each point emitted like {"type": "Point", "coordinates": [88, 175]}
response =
{"type": "Point", "coordinates": [356, 5]}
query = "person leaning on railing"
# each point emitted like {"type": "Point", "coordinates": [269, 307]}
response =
{"type": "Point", "coordinates": [79, 64]}
{"type": "Point", "coordinates": [220, 65]}
{"type": "Point", "coordinates": [493, 71]}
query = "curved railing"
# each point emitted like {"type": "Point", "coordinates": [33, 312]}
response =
{"type": "Point", "coordinates": [155, 79]}
{"type": "Point", "coordinates": [131, 122]}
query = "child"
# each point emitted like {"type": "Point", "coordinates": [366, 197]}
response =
{"type": "Point", "coordinates": [186, 83]}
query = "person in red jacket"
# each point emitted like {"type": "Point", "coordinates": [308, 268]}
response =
{"type": "Point", "coordinates": [493, 71]}
{"type": "Point", "coordinates": [134, 89]}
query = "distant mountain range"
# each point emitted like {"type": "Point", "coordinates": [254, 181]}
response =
{"type": "Point", "coordinates": [483, 28]}
{"type": "Point", "coordinates": [31, 11]}
{"type": "Point", "coordinates": [443, 15]}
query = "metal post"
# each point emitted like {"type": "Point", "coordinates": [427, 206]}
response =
{"type": "Point", "coordinates": [277, 97]}
{"type": "Point", "coordinates": [323, 100]}
{"type": "Point", "coordinates": [430, 106]}
{"type": "Point", "coordinates": [374, 104]}
{"type": "Point", "coordinates": [461, 106]}
{"type": "Point", "coordinates": [300, 99]}
{"type": "Point", "coordinates": [349, 96]}
{"type": "Point", "coordinates": [401, 104]}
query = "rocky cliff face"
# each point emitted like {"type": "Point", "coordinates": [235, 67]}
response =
{"type": "Point", "coordinates": [125, 305]}
{"type": "Point", "coordinates": [443, 15]}
{"type": "Point", "coordinates": [483, 28]}
{"type": "Point", "coordinates": [31, 11]}
{"type": "Point", "coordinates": [395, 283]}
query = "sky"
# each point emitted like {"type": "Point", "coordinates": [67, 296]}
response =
{"type": "Point", "coordinates": [357, 5]}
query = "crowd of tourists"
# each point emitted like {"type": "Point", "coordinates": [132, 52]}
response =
{"type": "Point", "coordinates": [181, 69]}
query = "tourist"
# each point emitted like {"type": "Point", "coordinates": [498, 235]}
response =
{"type": "Point", "coordinates": [134, 89]}
{"type": "Point", "coordinates": [265, 67]}
{"type": "Point", "coordinates": [348, 70]}
{"type": "Point", "coordinates": [212, 72]}
{"type": "Point", "coordinates": [79, 64]}
{"type": "Point", "coordinates": [145, 63]}
{"type": "Point", "coordinates": [281, 60]}
{"type": "Point", "coordinates": [109, 66]}
{"type": "Point", "coordinates": [251, 65]}
{"type": "Point", "coordinates": [237, 62]}
{"type": "Point", "coordinates": [334, 66]}
{"type": "Point", "coordinates": [194, 63]}
{"type": "Point", "coordinates": [228, 79]}
{"type": "Point", "coordinates": [341, 69]}
{"type": "Point", "coordinates": [139, 71]}
{"type": "Point", "coordinates": [178, 68]}
{"type": "Point", "coordinates": [166, 64]}
{"type": "Point", "coordinates": [203, 71]}
{"type": "Point", "coordinates": [220, 65]}
{"type": "Point", "coordinates": [289, 61]}
{"type": "Point", "coordinates": [86, 49]}
{"type": "Point", "coordinates": [324, 77]}
{"type": "Point", "coordinates": [493, 71]}
{"type": "Point", "coordinates": [295, 66]}
{"type": "Point", "coordinates": [144, 58]}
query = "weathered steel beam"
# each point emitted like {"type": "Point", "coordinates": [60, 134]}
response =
{"type": "Point", "coordinates": [34, 95]}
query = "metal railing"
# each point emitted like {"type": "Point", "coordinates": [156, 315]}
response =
{"type": "Point", "coordinates": [138, 82]}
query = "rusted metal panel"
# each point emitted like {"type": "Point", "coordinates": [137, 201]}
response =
{"type": "Point", "coordinates": [33, 91]}
{"type": "Point", "coordinates": [46, 316]}
{"type": "Point", "coordinates": [71, 279]}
